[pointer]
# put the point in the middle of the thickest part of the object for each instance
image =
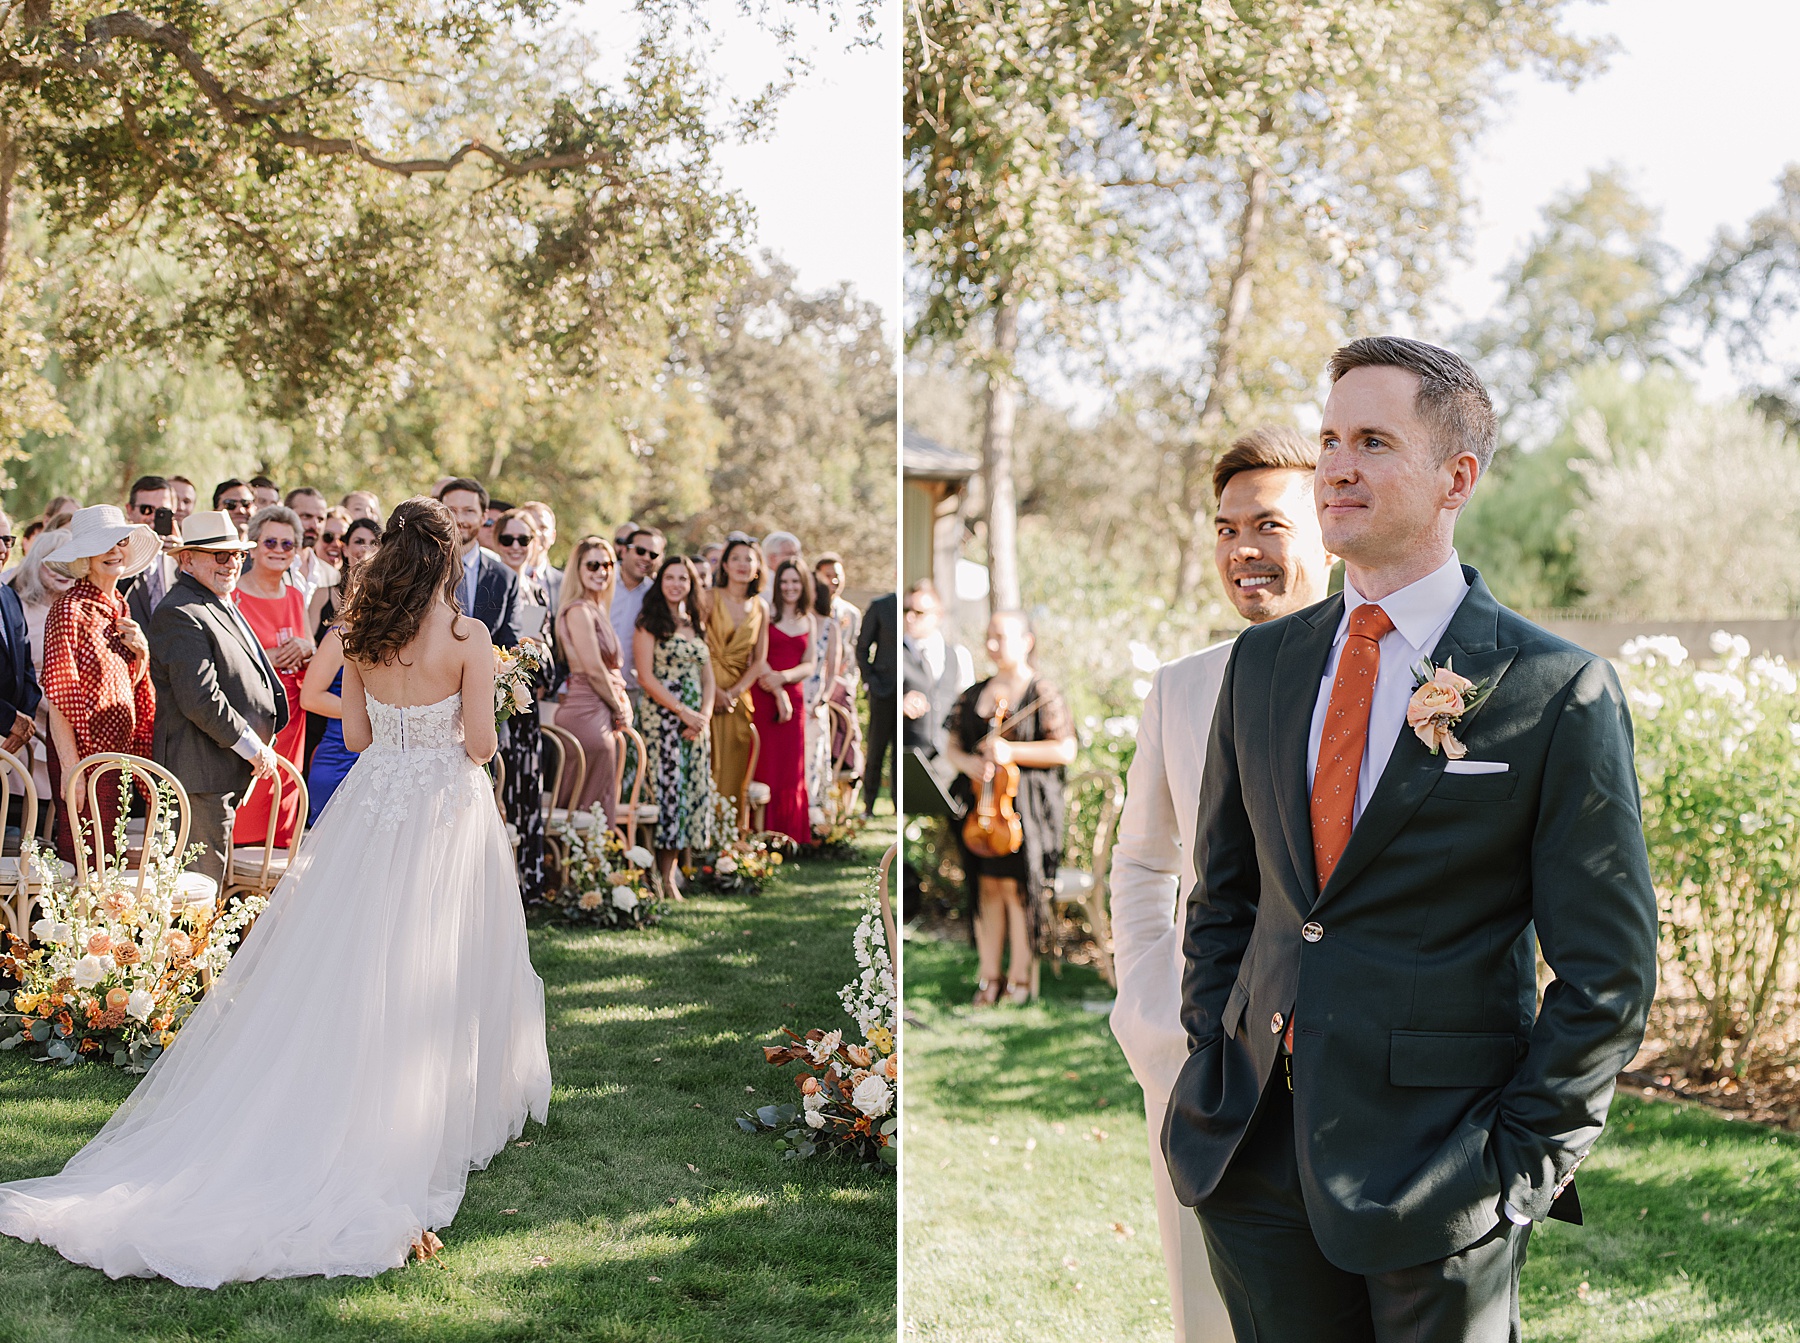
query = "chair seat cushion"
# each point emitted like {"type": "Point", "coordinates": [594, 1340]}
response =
{"type": "Point", "coordinates": [646, 812]}
{"type": "Point", "coordinates": [575, 820]}
{"type": "Point", "coordinates": [1072, 883]}
{"type": "Point", "coordinates": [195, 888]}
{"type": "Point", "coordinates": [246, 863]}
{"type": "Point", "coordinates": [9, 871]}
{"type": "Point", "coordinates": [759, 794]}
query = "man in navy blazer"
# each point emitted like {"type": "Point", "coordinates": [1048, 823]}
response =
{"type": "Point", "coordinates": [487, 589]}
{"type": "Point", "coordinates": [19, 691]}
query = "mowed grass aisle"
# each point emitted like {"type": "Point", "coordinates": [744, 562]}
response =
{"type": "Point", "coordinates": [639, 1212]}
{"type": "Point", "coordinates": [1028, 1213]}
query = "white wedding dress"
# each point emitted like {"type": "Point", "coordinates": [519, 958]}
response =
{"type": "Point", "coordinates": [379, 1035]}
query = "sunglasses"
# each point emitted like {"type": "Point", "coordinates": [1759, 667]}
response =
{"type": "Point", "coordinates": [647, 553]}
{"type": "Point", "coordinates": [7, 542]}
{"type": "Point", "coordinates": [512, 539]}
{"type": "Point", "coordinates": [237, 505]}
{"type": "Point", "coordinates": [144, 510]}
{"type": "Point", "coordinates": [270, 543]}
{"type": "Point", "coordinates": [331, 538]}
{"type": "Point", "coordinates": [597, 566]}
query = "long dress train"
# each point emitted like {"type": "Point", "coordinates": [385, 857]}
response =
{"type": "Point", "coordinates": [379, 1035]}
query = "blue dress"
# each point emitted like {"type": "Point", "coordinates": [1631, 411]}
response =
{"type": "Point", "coordinates": [330, 761]}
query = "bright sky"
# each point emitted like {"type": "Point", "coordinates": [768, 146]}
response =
{"type": "Point", "coordinates": [825, 185]}
{"type": "Point", "coordinates": [1696, 106]}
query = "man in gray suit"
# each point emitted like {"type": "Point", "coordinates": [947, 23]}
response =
{"type": "Point", "coordinates": [1374, 1109]}
{"type": "Point", "coordinates": [218, 702]}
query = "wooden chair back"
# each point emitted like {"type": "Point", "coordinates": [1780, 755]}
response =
{"type": "Point", "coordinates": [550, 780]}
{"type": "Point", "coordinates": [628, 739]}
{"type": "Point", "coordinates": [883, 881]}
{"type": "Point", "coordinates": [748, 779]}
{"type": "Point", "coordinates": [287, 780]}
{"type": "Point", "coordinates": [81, 795]}
{"type": "Point", "coordinates": [575, 765]}
{"type": "Point", "coordinates": [15, 904]}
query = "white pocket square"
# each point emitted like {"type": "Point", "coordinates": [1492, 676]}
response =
{"type": "Point", "coordinates": [1476, 767]}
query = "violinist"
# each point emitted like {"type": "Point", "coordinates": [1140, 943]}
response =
{"type": "Point", "coordinates": [1014, 717]}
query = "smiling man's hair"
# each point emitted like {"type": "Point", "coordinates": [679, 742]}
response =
{"type": "Point", "coordinates": [1451, 399]}
{"type": "Point", "coordinates": [1266, 447]}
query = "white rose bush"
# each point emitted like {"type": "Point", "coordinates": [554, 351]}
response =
{"type": "Point", "coordinates": [849, 1093]}
{"type": "Point", "coordinates": [113, 974]}
{"type": "Point", "coordinates": [604, 883]}
{"type": "Point", "coordinates": [1718, 754]}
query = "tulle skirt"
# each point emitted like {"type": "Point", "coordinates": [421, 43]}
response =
{"type": "Point", "coordinates": [379, 1035]}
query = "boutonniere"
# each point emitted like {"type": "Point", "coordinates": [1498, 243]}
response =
{"type": "Point", "coordinates": [1439, 700]}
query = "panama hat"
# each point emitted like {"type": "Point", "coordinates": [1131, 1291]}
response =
{"type": "Point", "coordinates": [96, 530]}
{"type": "Point", "coordinates": [211, 531]}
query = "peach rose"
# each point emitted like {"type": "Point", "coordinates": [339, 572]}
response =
{"type": "Point", "coordinates": [99, 944]}
{"type": "Point", "coordinates": [808, 1085]}
{"type": "Point", "coordinates": [117, 998]}
{"type": "Point", "coordinates": [1434, 699]}
{"type": "Point", "coordinates": [127, 953]}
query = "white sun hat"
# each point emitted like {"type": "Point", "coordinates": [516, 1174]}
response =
{"type": "Point", "coordinates": [211, 531]}
{"type": "Point", "coordinates": [96, 530]}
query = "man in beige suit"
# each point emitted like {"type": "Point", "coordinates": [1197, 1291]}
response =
{"type": "Point", "coordinates": [1272, 562]}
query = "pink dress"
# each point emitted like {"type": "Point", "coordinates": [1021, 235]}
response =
{"type": "Point", "coordinates": [583, 713]}
{"type": "Point", "coordinates": [267, 618]}
{"type": "Point", "coordinates": [782, 761]}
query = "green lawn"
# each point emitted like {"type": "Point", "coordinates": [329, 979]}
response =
{"type": "Point", "coordinates": [658, 1219]}
{"type": "Point", "coordinates": [1028, 1214]}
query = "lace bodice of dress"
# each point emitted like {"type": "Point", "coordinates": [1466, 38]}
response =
{"type": "Point", "coordinates": [418, 727]}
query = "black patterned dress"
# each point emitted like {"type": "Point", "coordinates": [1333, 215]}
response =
{"type": "Point", "coordinates": [682, 769]}
{"type": "Point", "coordinates": [522, 795]}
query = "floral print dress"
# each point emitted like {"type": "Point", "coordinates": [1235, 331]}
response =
{"type": "Point", "coordinates": [682, 769]}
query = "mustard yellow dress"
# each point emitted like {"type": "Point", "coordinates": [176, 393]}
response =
{"type": "Point", "coordinates": [732, 647]}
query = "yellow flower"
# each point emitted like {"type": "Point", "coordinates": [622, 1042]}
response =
{"type": "Point", "coordinates": [883, 1039]}
{"type": "Point", "coordinates": [166, 1039]}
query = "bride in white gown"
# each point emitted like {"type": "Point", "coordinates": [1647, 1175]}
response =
{"type": "Point", "coordinates": [381, 1032]}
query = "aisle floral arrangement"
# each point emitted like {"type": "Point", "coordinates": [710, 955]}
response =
{"type": "Point", "coordinates": [838, 838]}
{"type": "Point", "coordinates": [849, 1098]}
{"type": "Point", "coordinates": [517, 674]}
{"type": "Point", "coordinates": [742, 865]}
{"type": "Point", "coordinates": [114, 975]}
{"type": "Point", "coordinates": [605, 883]}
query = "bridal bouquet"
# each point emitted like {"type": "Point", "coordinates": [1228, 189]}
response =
{"type": "Point", "coordinates": [516, 676]}
{"type": "Point", "coordinates": [604, 882]}
{"type": "Point", "coordinates": [741, 865]}
{"type": "Point", "coordinates": [114, 975]}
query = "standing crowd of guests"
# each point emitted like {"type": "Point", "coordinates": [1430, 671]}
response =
{"type": "Point", "coordinates": [205, 640]}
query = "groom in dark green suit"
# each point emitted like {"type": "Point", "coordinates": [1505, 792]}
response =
{"type": "Point", "coordinates": [1375, 1109]}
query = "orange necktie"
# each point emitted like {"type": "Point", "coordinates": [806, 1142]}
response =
{"type": "Point", "coordinates": [1342, 742]}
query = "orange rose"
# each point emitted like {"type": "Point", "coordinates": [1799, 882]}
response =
{"type": "Point", "coordinates": [99, 944]}
{"type": "Point", "coordinates": [117, 998]}
{"type": "Point", "coordinates": [808, 1085]}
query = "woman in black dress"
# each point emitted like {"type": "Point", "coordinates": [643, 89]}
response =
{"type": "Point", "coordinates": [1009, 897]}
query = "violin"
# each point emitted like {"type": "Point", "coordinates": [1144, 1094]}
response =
{"type": "Point", "coordinates": [992, 829]}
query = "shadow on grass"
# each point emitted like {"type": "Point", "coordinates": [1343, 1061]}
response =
{"type": "Point", "coordinates": [1053, 1058]}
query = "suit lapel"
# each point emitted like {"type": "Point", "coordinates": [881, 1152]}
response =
{"type": "Point", "coordinates": [1412, 771]}
{"type": "Point", "coordinates": [1299, 667]}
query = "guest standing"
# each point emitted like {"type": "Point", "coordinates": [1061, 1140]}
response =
{"type": "Point", "coordinates": [522, 740]}
{"type": "Point", "coordinates": [1009, 897]}
{"type": "Point", "coordinates": [639, 555]}
{"type": "Point", "coordinates": [781, 703]}
{"type": "Point", "coordinates": [38, 585]}
{"type": "Point", "coordinates": [96, 659]}
{"type": "Point", "coordinates": [675, 676]}
{"type": "Point", "coordinates": [737, 636]}
{"type": "Point", "coordinates": [219, 700]}
{"type": "Point", "coordinates": [877, 659]}
{"type": "Point", "coordinates": [595, 704]}
{"type": "Point", "coordinates": [275, 610]}
{"type": "Point", "coordinates": [19, 692]}
{"type": "Point", "coordinates": [328, 759]}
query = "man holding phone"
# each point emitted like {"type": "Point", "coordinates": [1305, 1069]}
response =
{"type": "Point", "coordinates": [152, 503]}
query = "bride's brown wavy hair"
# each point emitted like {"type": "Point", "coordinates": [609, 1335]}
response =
{"type": "Point", "coordinates": [395, 588]}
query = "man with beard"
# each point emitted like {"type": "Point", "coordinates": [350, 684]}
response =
{"type": "Point", "coordinates": [308, 572]}
{"type": "Point", "coordinates": [639, 555]}
{"type": "Point", "coordinates": [487, 589]}
{"type": "Point", "coordinates": [1271, 562]}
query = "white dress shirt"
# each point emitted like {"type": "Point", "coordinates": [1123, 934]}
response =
{"type": "Point", "coordinates": [1421, 612]}
{"type": "Point", "coordinates": [627, 604]}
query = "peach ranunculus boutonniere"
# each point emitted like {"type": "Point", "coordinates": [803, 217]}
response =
{"type": "Point", "coordinates": [1438, 703]}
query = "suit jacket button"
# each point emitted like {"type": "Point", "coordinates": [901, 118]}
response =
{"type": "Point", "coordinates": [1275, 1024]}
{"type": "Point", "coordinates": [1312, 932]}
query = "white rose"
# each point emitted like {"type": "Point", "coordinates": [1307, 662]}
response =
{"type": "Point", "coordinates": [623, 897]}
{"type": "Point", "coordinates": [871, 1096]}
{"type": "Point", "coordinates": [726, 864]}
{"type": "Point", "coordinates": [814, 1119]}
{"type": "Point", "coordinates": [141, 1004]}
{"type": "Point", "coordinates": [521, 698]}
{"type": "Point", "coordinates": [638, 856]}
{"type": "Point", "coordinates": [89, 971]}
{"type": "Point", "coordinates": [44, 930]}
{"type": "Point", "coordinates": [815, 1101]}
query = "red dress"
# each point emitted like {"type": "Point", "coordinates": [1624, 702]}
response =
{"type": "Point", "coordinates": [267, 618]}
{"type": "Point", "coordinates": [781, 763]}
{"type": "Point", "coordinates": [87, 675]}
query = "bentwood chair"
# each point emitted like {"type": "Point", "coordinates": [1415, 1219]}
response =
{"type": "Point", "coordinates": [20, 880]}
{"type": "Point", "coordinates": [573, 775]}
{"type": "Point", "coordinates": [1081, 880]}
{"type": "Point", "coordinates": [256, 869]}
{"type": "Point", "coordinates": [883, 882]}
{"type": "Point", "coordinates": [753, 797]}
{"type": "Point", "coordinates": [633, 811]}
{"type": "Point", "coordinates": [166, 805]}
{"type": "Point", "coordinates": [846, 776]}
